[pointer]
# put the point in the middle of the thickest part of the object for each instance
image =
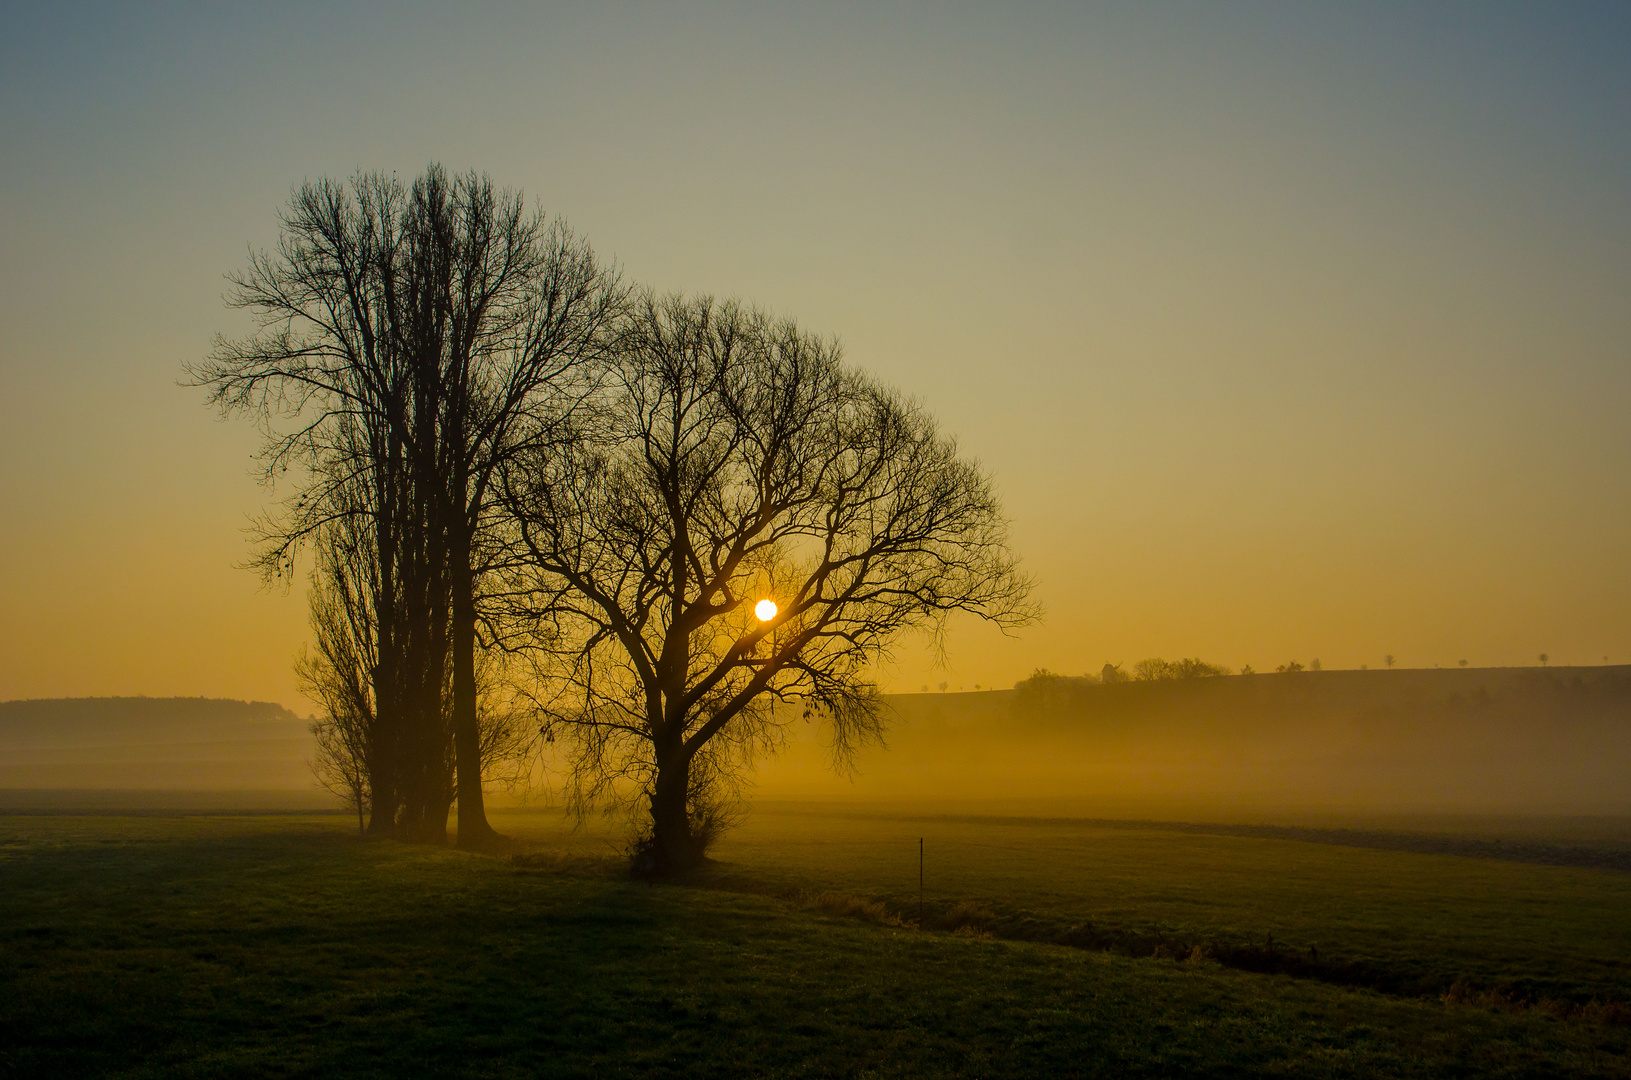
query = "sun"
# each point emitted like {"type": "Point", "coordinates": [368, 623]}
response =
{"type": "Point", "coordinates": [765, 609]}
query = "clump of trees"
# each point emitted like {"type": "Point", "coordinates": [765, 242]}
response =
{"type": "Point", "coordinates": [1156, 669]}
{"type": "Point", "coordinates": [542, 504]}
{"type": "Point", "coordinates": [412, 342]}
{"type": "Point", "coordinates": [1153, 669]}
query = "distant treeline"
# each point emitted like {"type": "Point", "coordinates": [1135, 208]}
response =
{"type": "Point", "coordinates": [1471, 688]}
{"type": "Point", "coordinates": [1153, 669]}
{"type": "Point", "coordinates": [1477, 740]}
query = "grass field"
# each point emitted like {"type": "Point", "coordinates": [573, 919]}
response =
{"type": "Point", "coordinates": [1418, 923]}
{"type": "Point", "coordinates": [283, 946]}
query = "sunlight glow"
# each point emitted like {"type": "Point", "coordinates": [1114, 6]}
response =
{"type": "Point", "coordinates": [765, 609]}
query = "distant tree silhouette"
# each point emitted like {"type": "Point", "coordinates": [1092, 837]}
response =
{"type": "Point", "coordinates": [1151, 669]}
{"type": "Point", "coordinates": [1156, 668]}
{"type": "Point", "coordinates": [733, 457]}
{"type": "Point", "coordinates": [1388, 659]}
{"type": "Point", "coordinates": [1544, 659]}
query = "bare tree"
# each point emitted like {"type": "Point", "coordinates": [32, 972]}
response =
{"type": "Point", "coordinates": [333, 380]}
{"type": "Point", "coordinates": [412, 340]}
{"type": "Point", "coordinates": [340, 765]}
{"type": "Point", "coordinates": [400, 777]}
{"type": "Point", "coordinates": [339, 676]}
{"type": "Point", "coordinates": [1156, 669]}
{"type": "Point", "coordinates": [378, 617]}
{"type": "Point", "coordinates": [524, 315]}
{"type": "Point", "coordinates": [735, 460]}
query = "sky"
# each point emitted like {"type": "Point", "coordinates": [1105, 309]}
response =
{"type": "Point", "coordinates": [1287, 331]}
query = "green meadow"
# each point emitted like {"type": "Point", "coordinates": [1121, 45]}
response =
{"type": "Point", "coordinates": [1405, 921]}
{"type": "Point", "coordinates": [281, 945]}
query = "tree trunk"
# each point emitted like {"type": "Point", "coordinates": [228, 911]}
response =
{"type": "Point", "coordinates": [382, 804]}
{"type": "Point", "coordinates": [474, 830]}
{"type": "Point", "coordinates": [435, 827]}
{"type": "Point", "coordinates": [385, 740]}
{"type": "Point", "coordinates": [671, 847]}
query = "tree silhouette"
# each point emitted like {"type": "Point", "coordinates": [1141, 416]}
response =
{"type": "Point", "coordinates": [451, 328]}
{"type": "Point", "coordinates": [1156, 669]}
{"type": "Point", "coordinates": [732, 457]}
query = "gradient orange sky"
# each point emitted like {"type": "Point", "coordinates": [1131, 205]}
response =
{"type": "Point", "coordinates": [1289, 331]}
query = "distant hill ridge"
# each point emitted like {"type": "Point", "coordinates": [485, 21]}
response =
{"type": "Point", "coordinates": [41, 722]}
{"type": "Point", "coordinates": [1575, 689]}
{"type": "Point", "coordinates": [133, 743]}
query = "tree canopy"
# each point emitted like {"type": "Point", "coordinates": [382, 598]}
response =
{"type": "Point", "coordinates": [683, 512]}
{"type": "Point", "coordinates": [731, 458]}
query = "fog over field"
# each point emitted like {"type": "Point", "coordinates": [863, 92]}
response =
{"type": "Point", "coordinates": [1529, 741]}
{"type": "Point", "coordinates": [255, 750]}
{"type": "Point", "coordinates": [1491, 741]}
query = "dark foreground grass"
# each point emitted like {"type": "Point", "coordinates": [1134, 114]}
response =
{"type": "Point", "coordinates": [1407, 922]}
{"type": "Point", "coordinates": [284, 947]}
